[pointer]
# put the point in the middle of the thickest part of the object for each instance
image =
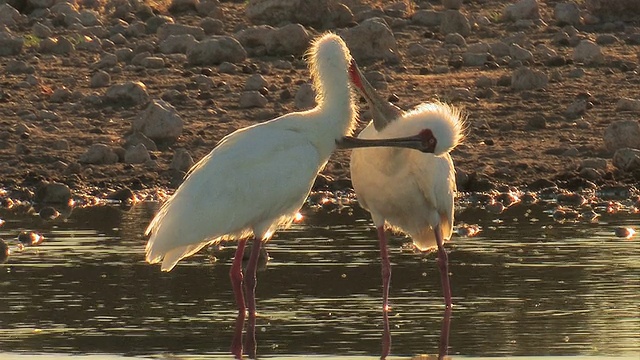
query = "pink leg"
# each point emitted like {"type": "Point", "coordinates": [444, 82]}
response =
{"type": "Point", "coordinates": [250, 292]}
{"type": "Point", "coordinates": [444, 334]}
{"type": "Point", "coordinates": [236, 282]}
{"type": "Point", "coordinates": [443, 264]}
{"type": "Point", "coordinates": [386, 268]}
{"type": "Point", "coordinates": [386, 336]}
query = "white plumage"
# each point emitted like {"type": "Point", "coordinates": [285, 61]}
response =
{"type": "Point", "coordinates": [258, 177]}
{"type": "Point", "coordinates": [406, 190]}
{"type": "Point", "coordinates": [409, 190]}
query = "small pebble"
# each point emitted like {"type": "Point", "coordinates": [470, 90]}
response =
{"type": "Point", "coordinates": [48, 213]}
{"type": "Point", "coordinates": [4, 252]}
{"type": "Point", "coordinates": [625, 232]}
{"type": "Point", "coordinates": [30, 238]}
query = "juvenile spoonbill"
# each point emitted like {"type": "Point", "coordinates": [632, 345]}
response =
{"type": "Point", "coordinates": [257, 178]}
{"type": "Point", "coordinates": [408, 191]}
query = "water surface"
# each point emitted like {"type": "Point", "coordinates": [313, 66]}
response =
{"type": "Point", "coordinates": [525, 286]}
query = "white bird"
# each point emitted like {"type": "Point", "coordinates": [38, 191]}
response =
{"type": "Point", "coordinates": [405, 190]}
{"type": "Point", "coordinates": [257, 178]}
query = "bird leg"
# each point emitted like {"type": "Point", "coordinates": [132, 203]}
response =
{"type": "Point", "coordinates": [386, 267]}
{"type": "Point", "coordinates": [443, 349]}
{"type": "Point", "coordinates": [443, 264]}
{"type": "Point", "coordinates": [250, 292]}
{"type": "Point", "coordinates": [236, 282]}
{"type": "Point", "coordinates": [386, 336]}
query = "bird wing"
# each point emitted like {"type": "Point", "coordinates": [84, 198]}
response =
{"type": "Point", "coordinates": [255, 179]}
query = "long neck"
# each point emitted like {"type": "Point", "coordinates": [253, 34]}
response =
{"type": "Point", "coordinates": [336, 104]}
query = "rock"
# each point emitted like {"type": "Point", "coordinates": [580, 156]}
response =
{"type": "Point", "coordinates": [250, 99]}
{"type": "Point", "coordinates": [155, 22]}
{"type": "Point", "coordinates": [168, 29]}
{"type": "Point", "coordinates": [454, 21]}
{"type": "Point", "coordinates": [371, 40]}
{"type": "Point", "coordinates": [216, 50]}
{"type": "Point", "coordinates": [19, 67]}
{"type": "Point", "coordinates": [182, 160]}
{"type": "Point", "coordinates": [525, 78]}
{"type": "Point", "coordinates": [627, 104]}
{"type": "Point", "coordinates": [129, 93]}
{"type": "Point", "coordinates": [10, 45]}
{"type": "Point", "coordinates": [594, 163]}
{"type": "Point", "coordinates": [177, 44]}
{"type": "Point", "coordinates": [228, 68]}
{"type": "Point", "coordinates": [99, 154]}
{"type": "Point", "coordinates": [53, 192]}
{"type": "Point", "coordinates": [106, 61]}
{"type": "Point", "coordinates": [210, 8]}
{"type": "Point", "coordinates": [212, 26]}
{"type": "Point", "coordinates": [517, 52]}
{"type": "Point", "coordinates": [588, 52]}
{"type": "Point", "coordinates": [627, 159]}
{"type": "Point", "coordinates": [452, 4]}
{"type": "Point", "coordinates": [537, 122]}
{"type": "Point", "coordinates": [60, 45]}
{"type": "Point", "coordinates": [429, 18]}
{"type": "Point", "coordinates": [471, 59]}
{"type": "Point", "coordinates": [9, 16]}
{"type": "Point", "coordinates": [180, 6]}
{"type": "Point", "coordinates": [255, 82]}
{"type": "Point", "coordinates": [137, 154]}
{"type": "Point", "coordinates": [523, 9]}
{"type": "Point", "coordinates": [139, 138]}
{"type": "Point", "coordinates": [614, 10]}
{"type": "Point", "coordinates": [606, 39]}
{"type": "Point", "coordinates": [457, 39]}
{"type": "Point", "coordinates": [100, 79]}
{"type": "Point", "coordinates": [567, 13]}
{"type": "Point", "coordinates": [292, 39]}
{"type": "Point", "coordinates": [305, 97]}
{"type": "Point", "coordinates": [124, 195]}
{"type": "Point", "coordinates": [152, 62]}
{"type": "Point", "coordinates": [159, 121]}
{"type": "Point", "coordinates": [316, 13]}
{"type": "Point", "coordinates": [577, 108]}
{"type": "Point", "coordinates": [622, 134]}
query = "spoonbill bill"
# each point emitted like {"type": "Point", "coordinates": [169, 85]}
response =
{"type": "Point", "coordinates": [408, 191]}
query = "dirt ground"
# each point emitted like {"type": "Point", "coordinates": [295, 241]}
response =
{"type": "Point", "coordinates": [501, 148]}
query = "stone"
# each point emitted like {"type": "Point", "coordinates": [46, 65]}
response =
{"type": "Point", "coordinates": [430, 18]}
{"type": "Point", "coordinates": [292, 39]}
{"type": "Point", "coordinates": [525, 78]}
{"type": "Point", "coordinates": [371, 40]}
{"type": "Point", "coordinates": [182, 160]}
{"type": "Point", "coordinates": [177, 44]}
{"type": "Point", "coordinates": [136, 138]}
{"type": "Point", "coordinates": [159, 122]}
{"type": "Point", "coordinates": [251, 99]}
{"type": "Point", "coordinates": [627, 159]}
{"type": "Point", "coordinates": [305, 97]}
{"type": "Point", "coordinates": [588, 52]}
{"type": "Point", "coordinates": [517, 52]}
{"type": "Point", "coordinates": [53, 192]}
{"type": "Point", "coordinates": [99, 154]}
{"type": "Point", "coordinates": [10, 45]}
{"type": "Point", "coordinates": [454, 21]}
{"type": "Point", "coordinates": [137, 154]}
{"type": "Point", "coordinates": [129, 93]}
{"type": "Point", "coordinates": [168, 29]}
{"type": "Point", "coordinates": [523, 9]}
{"type": "Point", "coordinates": [627, 104]}
{"type": "Point", "coordinates": [567, 13]}
{"type": "Point", "coordinates": [216, 50]}
{"type": "Point", "coordinates": [100, 79]}
{"type": "Point", "coordinates": [622, 134]}
{"type": "Point", "coordinates": [9, 16]}
{"type": "Point", "coordinates": [255, 82]}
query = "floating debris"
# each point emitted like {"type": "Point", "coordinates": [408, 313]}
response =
{"type": "Point", "coordinates": [625, 232]}
{"type": "Point", "coordinates": [30, 238]}
{"type": "Point", "coordinates": [49, 213]}
{"type": "Point", "coordinates": [466, 230]}
{"type": "Point", "coordinates": [571, 199]}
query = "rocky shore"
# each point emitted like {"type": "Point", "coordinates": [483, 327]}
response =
{"type": "Point", "coordinates": [115, 98]}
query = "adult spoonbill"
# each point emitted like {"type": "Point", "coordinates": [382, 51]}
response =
{"type": "Point", "coordinates": [410, 191]}
{"type": "Point", "coordinates": [257, 178]}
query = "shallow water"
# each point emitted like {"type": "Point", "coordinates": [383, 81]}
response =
{"type": "Point", "coordinates": [524, 286]}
